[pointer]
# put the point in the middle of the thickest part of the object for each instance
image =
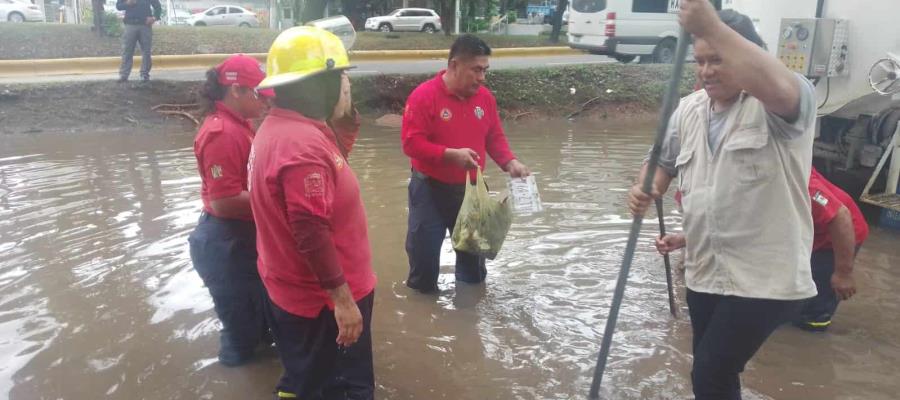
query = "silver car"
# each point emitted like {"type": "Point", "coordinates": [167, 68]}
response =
{"type": "Point", "coordinates": [224, 16]}
{"type": "Point", "coordinates": [20, 11]}
{"type": "Point", "coordinates": [406, 19]}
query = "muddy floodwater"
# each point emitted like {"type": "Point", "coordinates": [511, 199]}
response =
{"type": "Point", "coordinates": [98, 298]}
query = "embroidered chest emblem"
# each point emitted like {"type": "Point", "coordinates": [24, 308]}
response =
{"type": "Point", "coordinates": [479, 112]}
{"type": "Point", "coordinates": [446, 114]}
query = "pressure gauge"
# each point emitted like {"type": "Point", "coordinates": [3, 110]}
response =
{"type": "Point", "coordinates": [802, 33]}
{"type": "Point", "coordinates": [786, 34]}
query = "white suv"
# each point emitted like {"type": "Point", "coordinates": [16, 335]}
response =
{"type": "Point", "coordinates": [406, 19]}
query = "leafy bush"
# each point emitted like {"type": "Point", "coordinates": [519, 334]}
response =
{"type": "Point", "coordinates": [112, 27]}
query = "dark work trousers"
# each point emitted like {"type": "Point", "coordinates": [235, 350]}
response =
{"type": "Point", "coordinates": [224, 254]}
{"type": "Point", "coordinates": [817, 311]}
{"type": "Point", "coordinates": [433, 207]}
{"type": "Point", "coordinates": [315, 368]}
{"type": "Point", "coordinates": [136, 34]}
{"type": "Point", "coordinates": [728, 330]}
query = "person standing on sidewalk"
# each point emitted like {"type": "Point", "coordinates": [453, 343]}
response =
{"type": "Point", "coordinates": [223, 245]}
{"type": "Point", "coordinates": [449, 123]}
{"type": "Point", "coordinates": [840, 230]}
{"type": "Point", "coordinates": [742, 151]}
{"type": "Point", "coordinates": [140, 15]}
{"type": "Point", "coordinates": [314, 253]}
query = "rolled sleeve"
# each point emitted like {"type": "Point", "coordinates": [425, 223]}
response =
{"type": "Point", "coordinates": [825, 205]}
{"type": "Point", "coordinates": [309, 196]}
{"type": "Point", "coordinates": [223, 168]}
{"type": "Point", "coordinates": [806, 116]}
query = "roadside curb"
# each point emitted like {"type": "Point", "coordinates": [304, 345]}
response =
{"type": "Point", "coordinates": [100, 65]}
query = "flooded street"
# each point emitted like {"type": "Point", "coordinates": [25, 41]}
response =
{"type": "Point", "coordinates": [98, 298]}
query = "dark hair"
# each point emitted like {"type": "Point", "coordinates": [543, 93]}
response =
{"type": "Point", "coordinates": [469, 46]}
{"type": "Point", "coordinates": [314, 97]}
{"type": "Point", "coordinates": [743, 25]}
{"type": "Point", "coordinates": [211, 91]}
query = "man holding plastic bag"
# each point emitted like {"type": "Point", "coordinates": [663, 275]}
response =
{"type": "Point", "coordinates": [449, 124]}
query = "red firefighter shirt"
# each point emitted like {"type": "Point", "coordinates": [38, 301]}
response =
{"type": "Point", "coordinates": [295, 167]}
{"type": "Point", "coordinates": [435, 119]}
{"type": "Point", "coordinates": [827, 200]}
{"type": "Point", "coordinates": [222, 147]}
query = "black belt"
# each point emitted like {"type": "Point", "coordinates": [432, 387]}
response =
{"type": "Point", "coordinates": [436, 184]}
{"type": "Point", "coordinates": [419, 175]}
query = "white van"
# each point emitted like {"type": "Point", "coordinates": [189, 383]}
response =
{"type": "Point", "coordinates": [625, 29]}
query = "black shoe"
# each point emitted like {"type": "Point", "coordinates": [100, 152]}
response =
{"type": "Point", "coordinates": [121, 80]}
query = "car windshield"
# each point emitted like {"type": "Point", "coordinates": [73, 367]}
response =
{"type": "Point", "coordinates": [395, 12]}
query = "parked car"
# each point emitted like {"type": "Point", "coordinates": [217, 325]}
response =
{"type": "Point", "coordinates": [20, 11]}
{"type": "Point", "coordinates": [625, 29]}
{"type": "Point", "coordinates": [224, 16]}
{"type": "Point", "coordinates": [406, 19]}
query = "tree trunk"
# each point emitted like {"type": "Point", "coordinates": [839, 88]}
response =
{"type": "Point", "coordinates": [470, 15]}
{"type": "Point", "coordinates": [557, 20]}
{"type": "Point", "coordinates": [448, 15]}
{"type": "Point", "coordinates": [98, 12]}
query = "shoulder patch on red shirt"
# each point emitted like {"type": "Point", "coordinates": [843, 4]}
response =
{"type": "Point", "coordinates": [819, 198]}
{"type": "Point", "coordinates": [215, 171]}
{"type": "Point", "coordinates": [313, 185]}
{"type": "Point", "coordinates": [446, 115]}
{"type": "Point", "coordinates": [479, 112]}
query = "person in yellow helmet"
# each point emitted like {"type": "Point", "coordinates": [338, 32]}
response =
{"type": "Point", "coordinates": [312, 238]}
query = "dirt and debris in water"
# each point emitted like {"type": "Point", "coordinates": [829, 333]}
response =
{"type": "Point", "coordinates": [99, 300]}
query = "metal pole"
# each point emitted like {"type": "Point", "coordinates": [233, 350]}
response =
{"type": "Point", "coordinates": [666, 261]}
{"type": "Point", "coordinates": [669, 103]}
{"type": "Point", "coordinates": [456, 18]}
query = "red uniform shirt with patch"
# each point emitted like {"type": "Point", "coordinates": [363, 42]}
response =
{"type": "Point", "coordinates": [296, 167]}
{"type": "Point", "coordinates": [435, 119]}
{"type": "Point", "coordinates": [222, 147]}
{"type": "Point", "coordinates": [827, 199]}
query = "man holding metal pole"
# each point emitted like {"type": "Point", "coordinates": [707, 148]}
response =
{"type": "Point", "coordinates": [742, 151]}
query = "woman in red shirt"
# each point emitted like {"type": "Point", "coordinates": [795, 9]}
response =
{"type": "Point", "coordinates": [223, 245]}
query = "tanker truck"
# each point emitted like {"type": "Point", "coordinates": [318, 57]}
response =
{"type": "Point", "coordinates": [851, 51]}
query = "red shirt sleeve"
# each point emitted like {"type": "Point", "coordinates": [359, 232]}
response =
{"type": "Point", "coordinates": [496, 143]}
{"type": "Point", "coordinates": [222, 166]}
{"type": "Point", "coordinates": [309, 195]}
{"type": "Point", "coordinates": [414, 131]}
{"type": "Point", "coordinates": [825, 205]}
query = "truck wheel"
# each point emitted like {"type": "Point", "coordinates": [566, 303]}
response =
{"type": "Point", "coordinates": [16, 17]}
{"type": "Point", "coordinates": [428, 28]}
{"type": "Point", "coordinates": [386, 28]}
{"type": "Point", "coordinates": [664, 53]}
